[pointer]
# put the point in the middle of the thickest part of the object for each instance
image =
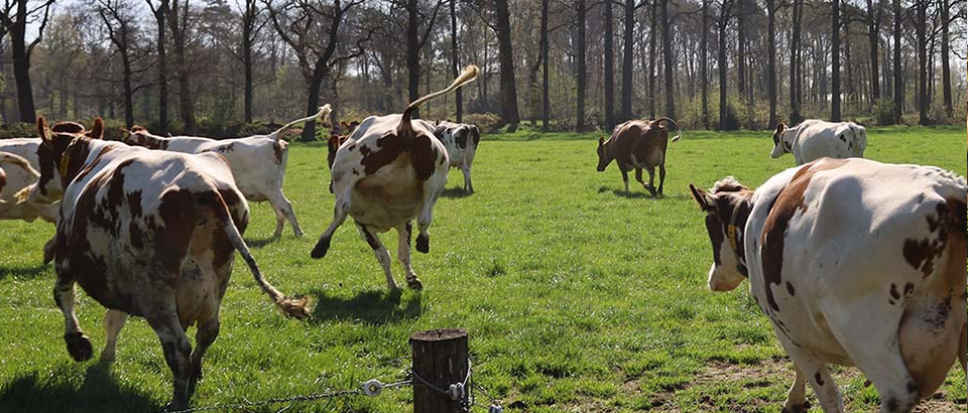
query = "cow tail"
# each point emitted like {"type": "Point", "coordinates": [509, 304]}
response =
{"type": "Point", "coordinates": [322, 114]}
{"type": "Point", "coordinates": [678, 128]}
{"type": "Point", "coordinates": [468, 75]}
{"type": "Point", "coordinates": [20, 162]}
{"type": "Point", "coordinates": [290, 307]}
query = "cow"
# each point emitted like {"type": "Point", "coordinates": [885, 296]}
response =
{"type": "Point", "coordinates": [636, 145]}
{"type": "Point", "coordinates": [856, 263]}
{"type": "Point", "coordinates": [10, 161]}
{"type": "Point", "coordinates": [258, 163]}
{"type": "Point", "coordinates": [146, 233]}
{"type": "Point", "coordinates": [814, 139]}
{"type": "Point", "coordinates": [391, 170]}
{"type": "Point", "coordinates": [461, 141]}
{"type": "Point", "coordinates": [18, 178]}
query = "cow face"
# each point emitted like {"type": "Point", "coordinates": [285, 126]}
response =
{"type": "Point", "coordinates": [779, 146]}
{"type": "Point", "coordinates": [727, 209]}
{"type": "Point", "coordinates": [62, 153]}
{"type": "Point", "coordinates": [335, 141]}
{"type": "Point", "coordinates": [603, 158]}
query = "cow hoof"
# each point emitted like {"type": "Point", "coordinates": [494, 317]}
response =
{"type": "Point", "coordinates": [423, 244]}
{"type": "Point", "coordinates": [803, 408]}
{"type": "Point", "coordinates": [414, 283]}
{"type": "Point", "coordinates": [79, 346]}
{"type": "Point", "coordinates": [322, 247]}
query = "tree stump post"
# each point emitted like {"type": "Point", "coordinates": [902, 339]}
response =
{"type": "Point", "coordinates": [441, 358]}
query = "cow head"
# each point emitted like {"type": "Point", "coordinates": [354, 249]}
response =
{"type": "Point", "coordinates": [780, 146]}
{"type": "Point", "coordinates": [603, 158]}
{"type": "Point", "coordinates": [727, 207]}
{"type": "Point", "coordinates": [62, 153]}
{"type": "Point", "coordinates": [335, 141]}
{"type": "Point", "coordinates": [139, 136]}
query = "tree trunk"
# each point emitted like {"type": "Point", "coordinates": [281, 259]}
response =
{"type": "Point", "coordinates": [128, 90]}
{"type": "Point", "coordinates": [898, 68]}
{"type": "Point", "coordinates": [741, 49]}
{"type": "Point", "coordinates": [455, 61]}
{"type": "Point", "coordinates": [248, 27]}
{"type": "Point", "coordinates": [609, 66]}
{"type": "Point", "coordinates": [509, 95]}
{"type": "Point", "coordinates": [723, 63]}
{"type": "Point", "coordinates": [545, 49]}
{"type": "Point", "coordinates": [670, 99]}
{"type": "Point", "coordinates": [315, 84]}
{"type": "Point", "coordinates": [704, 62]}
{"type": "Point", "coordinates": [835, 62]}
{"type": "Point", "coordinates": [178, 33]}
{"type": "Point", "coordinates": [582, 69]}
{"type": "Point", "coordinates": [873, 37]}
{"type": "Point", "coordinates": [627, 61]}
{"type": "Point", "coordinates": [653, 20]}
{"type": "Point", "coordinates": [162, 80]}
{"type": "Point", "coordinates": [21, 66]}
{"type": "Point", "coordinates": [796, 66]}
{"type": "Point", "coordinates": [771, 66]}
{"type": "Point", "coordinates": [921, 29]}
{"type": "Point", "coordinates": [413, 53]}
{"type": "Point", "coordinates": [945, 59]}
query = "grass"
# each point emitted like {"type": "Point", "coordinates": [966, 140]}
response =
{"type": "Point", "coordinates": [577, 298]}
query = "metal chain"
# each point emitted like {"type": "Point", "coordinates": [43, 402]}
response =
{"type": "Point", "coordinates": [375, 388]}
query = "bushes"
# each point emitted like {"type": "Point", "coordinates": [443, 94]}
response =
{"type": "Point", "coordinates": [884, 112]}
{"type": "Point", "coordinates": [485, 121]}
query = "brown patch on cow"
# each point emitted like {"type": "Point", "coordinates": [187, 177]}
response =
{"type": "Point", "coordinates": [91, 165]}
{"type": "Point", "coordinates": [278, 147]}
{"type": "Point", "coordinates": [948, 220]}
{"type": "Point", "coordinates": [72, 244]}
{"type": "Point", "coordinates": [475, 136]}
{"type": "Point", "coordinates": [370, 238]}
{"type": "Point", "coordinates": [222, 247]}
{"type": "Point", "coordinates": [335, 142]}
{"type": "Point", "coordinates": [790, 289]}
{"type": "Point", "coordinates": [461, 138]}
{"type": "Point", "coordinates": [177, 212]}
{"type": "Point", "coordinates": [818, 378]}
{"type": "Point", "coordinates": [225, 148]}
{"type": "Point", "coordinates": [134, 203]}
{"type": "Point", "coordinates": [784, 208]}
{"type": "Point", "coordinates": [895, 294]}
{"type": "Point", "coordinates": [424, 157]}
{"type": "Point", "coordinates": [3, 179]}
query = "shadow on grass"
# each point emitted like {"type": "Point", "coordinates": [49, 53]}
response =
{"type": "Point", "coordinates": [261, 242]}
{"type": "Point", "coordinates": [621, 193]}
{"type": "Point", "coordinates": [100, 392]}
{"type": "Point", "coordinates": [455, 193]}
{"type": "Point", "coordinates": [23, 272]}
{"type": "Point", "coordinates": [370, 307]}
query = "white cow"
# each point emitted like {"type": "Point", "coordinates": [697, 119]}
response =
{"type": "Point", "coordinates": [814, 139]}
{"type": "Point", "coordinates": [461, 141]}
{"type": "Point", "coordinates": [856, 263]}
{"type": "Point", "coordinates": [391, 170]}
{"type": "Point", "coordinates": [20, 177]}
{"type": "Point", "coordinates": [11, 162]}
{"type": "Point", "coordinates": [258, 163]}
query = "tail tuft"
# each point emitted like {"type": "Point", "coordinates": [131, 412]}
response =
{"type": "Point", "coordinates": [297, 308]}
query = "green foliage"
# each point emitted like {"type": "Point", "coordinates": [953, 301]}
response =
{"type": "Point", "coordinates": [884, 111]}
{"type": "Point", "coordinates": [484, 121]}
{"type": "Point", "coordinates": [577, 298]}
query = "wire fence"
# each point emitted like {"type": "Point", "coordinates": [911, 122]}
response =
{"type": "Point", "coordinates": [459, 392]}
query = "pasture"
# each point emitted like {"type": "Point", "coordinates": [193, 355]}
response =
{"type": "Point", "coordinates": [577, 298]}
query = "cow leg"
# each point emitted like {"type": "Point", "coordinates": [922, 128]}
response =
{"type": "Point", "coordinates": [816, 373]}
{"type": "Point", "coordinates": [424, 220]}
{"type": "Point", "coordinates": [49, 250]}
{"type": "Point", "coordinates": [625, 178]}
{"type": "Point", "coordinates": [113, 322]}
{"type": "Point", "coordinates": [177, 351]}
{"type": "Point", "coordinates": [340, 211]}
{"type": "Point", "coordinates": [403, 255]}
{"type": "Point", "coordinates": [382, 255]}
{"type": "Point", "coordinates": [204, 337]}
{"type": "Point", "coordinates": [468, 186]}
{"type": "Point", "coordinates": [284, 212]}
{"type": "Point", "coordinates": [662, 175]}
{"type": "Point", "coordinates": [651, 186]}
{"type": "Point", "coordinates": [797, 397]}
{"type": "Point", "coordinates": [78, 345]}
{"type": "Point", "coordinates": [638, 176]}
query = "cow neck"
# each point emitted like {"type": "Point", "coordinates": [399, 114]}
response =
{"type": "Point", "coordinates": [735, 229]}
{"type": "Point", "coordinates": [76, 155]}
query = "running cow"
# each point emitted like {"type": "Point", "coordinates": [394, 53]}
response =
{"type": "Point", "coordinates": [856, 263]}
{"type": "Point", "coordinates": [636, 145]}
{"type": "Point", "coordinates": [390, 171]}
{"type": "Point", "coordinates": [461, 141]}
{"type": "Point", "coordinates": [814, 139]}
{"type": "Point", "coordinates": [258, 163]}
{"type": "Point", "coordinates": [146, 233]}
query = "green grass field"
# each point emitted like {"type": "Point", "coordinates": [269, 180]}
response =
{"type": "Point", "coordinates": [577, 298]}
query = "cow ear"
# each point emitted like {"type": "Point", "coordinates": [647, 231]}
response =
{"type": "Point", "coordinates": [601, 140]}
{"type": "Point", "coordinates": [43, 130]}
{"type": "Point", "coordinates": [706, 202]}
{"type": "Point", "coordinates": [780, 127]}
{"type": "Point", "coordinates": [97, 131]}
{"type": "Point", "coordinates": [333, 142]}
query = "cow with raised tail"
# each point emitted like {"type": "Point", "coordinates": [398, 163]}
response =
{"type": "Point", "coordinates": [146, 233]}
{"type": "Point", "coordinates": [814, 139]}
{"type": "Point", "coordinates": [11, 161]}
{"type": "Point", "coordinates": [461, 141]}
{"type": "Point", "coordinates": [856, 263]}
{"type": "Point", "coordinates": [638, 145]}
{"type": "Point", "coordinates": [258, 162]}
{"type": "Point", "coordinates": [390, 171]}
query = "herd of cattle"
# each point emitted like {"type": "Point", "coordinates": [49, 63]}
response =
{"type": "Point", "coordinates": [855, 262]}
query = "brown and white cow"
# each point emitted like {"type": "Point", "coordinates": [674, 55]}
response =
{"type": "Point", "coordinates": [18, 178]}
{"type": "Point", "coordinates": [636, 145]}
{"type": "Point", "coordinates": [814, 139]}
{"type": "Point", "coordinates": [391, 170]}
{"type": "Point", "coordinates": [11, 161]}
{"type": "Point", "coordinates": [258, 163]}
{"type": "Point", "coordinates": [856, 263]}
{"type": "Point", "coordinates": [146, 233]}
{"type": "Point", "coordinates": [461, 141]}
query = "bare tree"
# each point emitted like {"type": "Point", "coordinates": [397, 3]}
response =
{"type": "Point", "coordinates": [771, 66]}
{"type": "Point", "coordinates": [722, 22]}
{"type": "Point", "coordinates": [628, 64]}
{"type": "Point", "coordinates": [704, 62]}
{"type": "Point", "coordinates": [835, 62]}
{"type": "Point", "coordinates": [609, 65]}
{"type": "Point", "coordinates": [455, 60]}
{"type": "Point", "coordinates": [667, 59]}
{"type": "Point", "coordinates": [160, 12]}
{"type": "Point", "coordinates": [875, 12]}
{"type": "Point", "coordinates": [119, 21]}
{"type": "Point", "coordinates": [14, 19]}
{"type": "Point", "coordinates": [796, 63]}
{"type": "Point", "coordinates": [414, 41]}
{"type": "Point", "coordinates": [178, 19]}
{"type": "Point", "coordinates": [898, 64]}
{"type": "Point", "coordinates": [509, 94]}
{"type": "Point", "coordinates": [581, 9]}
{"type": "Point", "coordinates": [251, 26]}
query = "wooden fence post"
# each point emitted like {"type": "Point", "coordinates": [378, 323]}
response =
{"type": "Point", "coordinates": [441, 358]}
